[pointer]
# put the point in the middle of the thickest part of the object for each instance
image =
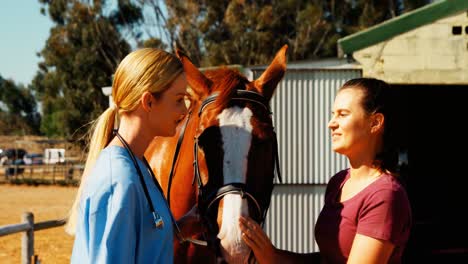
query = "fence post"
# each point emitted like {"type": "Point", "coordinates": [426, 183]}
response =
{"type": "Point", "coordinates": [27, 240]}
{"type": "Point", "coordinates": [53, 174]}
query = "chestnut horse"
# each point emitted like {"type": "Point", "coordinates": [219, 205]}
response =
{"type": "Point", "coordinates": [227, 146]}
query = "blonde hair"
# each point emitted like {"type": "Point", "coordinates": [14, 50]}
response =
{"type": "Point", "coordinates": [143, 70]}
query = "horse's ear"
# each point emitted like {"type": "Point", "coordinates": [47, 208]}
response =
{"type": "Point", "coordinates": [195, 78]}
{"type": "Point", "coordinates": [267, 82]}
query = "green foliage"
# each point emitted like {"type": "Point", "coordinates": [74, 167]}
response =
{"type": "Point", "coordinates": [80, 56]}
{"type": "Point", "coordinates": [90, 38]}
{"type": "Point", "coordinates": [250, 32]}
{"type": "Point", "coordinates": [18, 109]}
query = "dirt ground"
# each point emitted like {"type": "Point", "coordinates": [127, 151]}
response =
{"type": "Point", "coordinates": [46, 203]}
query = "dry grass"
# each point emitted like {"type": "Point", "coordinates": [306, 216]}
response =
{"type": "Point", "coordinates": [47, 203]}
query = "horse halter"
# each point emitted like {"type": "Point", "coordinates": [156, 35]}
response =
{"type": "Point", "coordinates": [205, 201]}
{"type": "Point", "coordinates": [205, 198]}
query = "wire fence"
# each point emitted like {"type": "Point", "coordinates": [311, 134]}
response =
{"type": "Point", "coordinates": [66, 173]}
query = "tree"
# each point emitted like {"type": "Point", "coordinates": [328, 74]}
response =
{"type": "Point", "coordinates": [90, 38]}
{"type": "Point", "coordinates": [18, 109]}
{"type": "Point", "coordinates": [85, 46]}
{"type": "Point", "coordinates": [249, 32]}
{"type": "Point", "coordinates": [80, 56]}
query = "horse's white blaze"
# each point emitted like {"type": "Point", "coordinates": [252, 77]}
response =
{"type": "Point", "coordinates": [232, 245]}
{"type": "Point", "coordinates": [236, 132]}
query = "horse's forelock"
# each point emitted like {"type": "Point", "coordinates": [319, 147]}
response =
{"type": "Point", "coordinates": [226, 81]}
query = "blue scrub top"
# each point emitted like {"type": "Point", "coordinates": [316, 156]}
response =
{"type": "Point", "coordinates": [115, 224]}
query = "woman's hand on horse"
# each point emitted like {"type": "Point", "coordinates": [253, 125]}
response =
{"type": "Point", "coordinates": [190, 224]}
{"type": "Point", "coordinates": [254, 236]}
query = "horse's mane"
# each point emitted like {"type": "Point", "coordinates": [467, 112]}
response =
{"type": "Point", "coordinates": [226, 81]}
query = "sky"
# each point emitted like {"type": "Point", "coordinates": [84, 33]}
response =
{"type": "Point", "coordinates": [23, 33]}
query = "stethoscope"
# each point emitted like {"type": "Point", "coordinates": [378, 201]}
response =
{"type": "Point", "coordinates": [157, 220]}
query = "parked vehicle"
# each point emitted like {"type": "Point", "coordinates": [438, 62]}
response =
{"type": "Point", "coordinates": [12, 156]}
{"type": "Point", "coordinates": [54, 156]}
{"type": "Point", "coordinates": [14, 153]}
{"type": "Point", "coordinates": [33, 159]}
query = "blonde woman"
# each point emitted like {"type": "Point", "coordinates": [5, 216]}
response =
{"type": "Point", "coordinates": [120, 214]}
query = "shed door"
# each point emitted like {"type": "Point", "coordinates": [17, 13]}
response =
{"type": "Point", "coordinates": [436, 118]}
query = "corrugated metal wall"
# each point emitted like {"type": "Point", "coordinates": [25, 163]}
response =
{"type": "Point", "coordinates": [291, 218]}
{"type": "Point", "coordinates": [301, 109]}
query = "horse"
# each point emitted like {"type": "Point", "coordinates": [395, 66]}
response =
{"type": "Point", "coordinates": [228, 146]}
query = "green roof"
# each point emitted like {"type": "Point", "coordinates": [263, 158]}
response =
{"type": "Point", "coordinates": [401, 24]}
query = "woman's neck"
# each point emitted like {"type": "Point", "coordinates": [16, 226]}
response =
{"type": "Point", "coordinates": [364, 172]}
{"type": "Point", "coordinates": [131, 131]}
{"type": "Point", "coordinates": [363, 166]}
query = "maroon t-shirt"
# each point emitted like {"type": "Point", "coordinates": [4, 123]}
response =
{"type": "Point", "coordinates": [381, 210]}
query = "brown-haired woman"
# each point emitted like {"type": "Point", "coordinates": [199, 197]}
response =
{"type": "Point", "coordinates": [366, 217]}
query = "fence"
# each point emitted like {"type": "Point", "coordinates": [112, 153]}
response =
{"type": "Point", "coordinates": [27, 241]}
{"type": "Point", "coordinates": [43, 172]}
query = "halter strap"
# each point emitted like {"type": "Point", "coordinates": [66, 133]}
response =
{"type": "Point", "coordinates": [237, 188]}
{"type": "Point", "coordinates": [241, 95]}
{"type": "Point", "coordinates": [176, 155]}
{"type": "Point", "coordinates": [207, 201]}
